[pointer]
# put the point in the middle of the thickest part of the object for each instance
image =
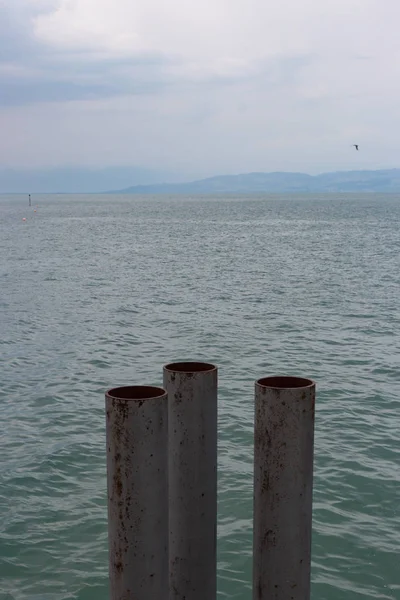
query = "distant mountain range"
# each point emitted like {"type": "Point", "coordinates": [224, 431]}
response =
{"type": "Point", "coordinates": [75, 180]}
{"type": "Point", "coordinates": [72, 180]}
{"type": "Point", "coordinates": [342, 181]}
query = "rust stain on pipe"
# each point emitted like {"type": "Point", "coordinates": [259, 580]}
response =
{"type": "Point", "coordinates": [192, 414]}
{"type": "Point", "coordinates": [137, 483]}
{"type": "Point", "coordinates": [283, 473]}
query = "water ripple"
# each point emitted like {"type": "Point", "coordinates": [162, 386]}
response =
{"type": "Point", "coordinates": [101, 291]}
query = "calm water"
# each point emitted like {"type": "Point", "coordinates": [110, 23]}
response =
{"type": "Point", "coordinates": [99, 290]}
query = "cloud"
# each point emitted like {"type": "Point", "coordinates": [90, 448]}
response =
{"type": "Point", "coordinates": [200, 86]}
{"type": "Point", "coordinates": [107, 48]}
{"type": "Point", "coordinates": [32, 69]}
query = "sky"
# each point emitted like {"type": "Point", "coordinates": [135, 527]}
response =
{"type": "Point", "coordinates": [198, 88]}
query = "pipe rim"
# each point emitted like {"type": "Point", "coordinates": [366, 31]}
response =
{"type": "Point", "coordinates": [285, 382]}
{"type": "Point", "coordinates": [136, 393]}
{"type": "Point", "coordinates": [189, 367]}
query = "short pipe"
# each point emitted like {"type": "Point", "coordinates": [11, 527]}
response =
{"type": "Point", "coordinates": [283, 482]}
{"type": "Point", "coordinates": [192, 423]}
{"type": "Point", "coordinates": [137, 489]}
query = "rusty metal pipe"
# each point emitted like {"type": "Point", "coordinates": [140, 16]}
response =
{"type": "Point", "coordinates": [283, 481]}
{"type": "Point", "coordinates": [137, 486]}
{"type": "Point", "coordinates": [192, 423]}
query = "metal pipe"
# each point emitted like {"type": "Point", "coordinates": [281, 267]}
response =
{"type": "Point", "coordinates": [192, 471]}
{"type": "Point", "coordinates": [283, 481]}
{"type": "Point", "coordinates": [137, 486]}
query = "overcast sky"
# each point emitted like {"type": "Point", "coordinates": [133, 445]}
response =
{"type": "Point", "coordinates": [200, 87]}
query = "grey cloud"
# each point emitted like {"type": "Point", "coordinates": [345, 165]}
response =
{"type": "Point", "coordinates": [20, 93]}
{"type": "Point", "coordinates": [16, 40]}
{"type": "Point", "coordinates": [46, 75]}
{"type": "Point", "coordinates": [37, 73]}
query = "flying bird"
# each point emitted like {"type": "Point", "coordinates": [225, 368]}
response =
{"type": "Point", "coordinates": [355, 146]}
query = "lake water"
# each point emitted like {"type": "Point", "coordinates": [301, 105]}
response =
{"type": "Point", "coordinates": [98, 291]}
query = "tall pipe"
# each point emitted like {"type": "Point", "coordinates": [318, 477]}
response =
{"type": "Point", "coordinates": [283, 482]}
{"type": "Point", "coordinates": [192, 423]}
{"type": "Point", "coordinates": [137, 486]}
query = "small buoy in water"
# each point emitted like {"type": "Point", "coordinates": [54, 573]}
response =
{"type": "Point", "coordinates": [24, 219]}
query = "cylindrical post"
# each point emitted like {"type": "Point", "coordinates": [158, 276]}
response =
{"type": "Point", "coordinates": [192, 424]}
{"type": "Point", "coordinates": [283, 480]}
{"type": "Point", "coordinates": [137, 485]}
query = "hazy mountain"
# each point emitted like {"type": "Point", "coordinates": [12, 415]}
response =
{"type": "Point", "coordinates": [141, 181]}
{"type": "Point", "coordinates": [72, 180]}
{"type": "Point", "coordinates": [343, 181]}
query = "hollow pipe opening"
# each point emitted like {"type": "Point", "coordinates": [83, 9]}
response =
{"type": "Point", "coordinates": [189, 367]}
{"type": "Point", "coordinates": [135, 392]}
{"type": "Point", "coordinates": [285, 382]}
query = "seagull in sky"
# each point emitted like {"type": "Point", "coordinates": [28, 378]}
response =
{"type": "Point", "coordinates": [355, 146]}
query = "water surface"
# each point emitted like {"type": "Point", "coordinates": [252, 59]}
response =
{"type": "Point", "coordinates": [98, 291]}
